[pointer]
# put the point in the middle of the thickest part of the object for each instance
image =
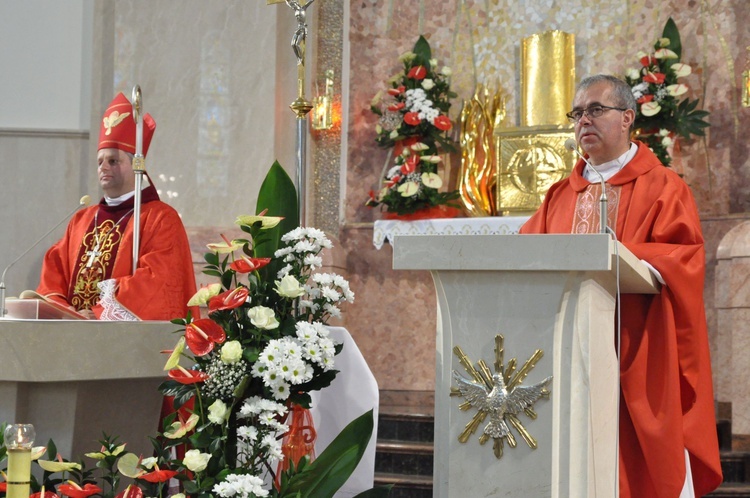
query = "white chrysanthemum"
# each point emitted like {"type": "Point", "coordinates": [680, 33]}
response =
{"type": "Point", "coordinates": [330, 294]}
{"type": "Point", "coordinates": [306, 331]}
{"type": "Point", "coordinates": [284, 271]}
{"type": "Point", "coordinates": [248, 433]}
{"type": "Point", "coordinates": [313, 261]}
{"type": "Point", "coordinates": [274, 447]}
{"type": "Point", "coordinates": [304, 246]}
{"type": "Point", "coordinates": [323, 278]}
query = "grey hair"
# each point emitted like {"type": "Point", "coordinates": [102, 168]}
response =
{"type": "Point", "coordinates": [622, 92]}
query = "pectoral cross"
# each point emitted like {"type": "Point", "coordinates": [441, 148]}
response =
{"type": "Point", "coordinates": [93, 254]}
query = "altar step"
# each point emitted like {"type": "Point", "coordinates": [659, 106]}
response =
{"type": "Point", "coordinates": [404, 455]}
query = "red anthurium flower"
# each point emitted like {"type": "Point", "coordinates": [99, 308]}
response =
{"type": "Point", "coordinates": [417, 73]}
{"type": "Point", "coordinates": [442, 122]}
{"type": "Point", "coordinates": [396, 107]}
{"type": "Point", "coordinates": [396, 91]}
{"type": "Point", "coordinates": [246, 265]}
{"type": "Point", "coordinates": [657, 78]}
{"type": "Point", "coordinates": [132, 491]}
{"type": "Point", "coordinates": [645, 98]}
{"type": "Point", "coordinates": [47, 494]}
{"type": "Point", "coordinates": [648, 60]}
{"type": "Point", "coordinates": [201, 335]}
{"type": "Point", "coordinates": [412, 118]}
{"type": "Point", "coordinates": [159, 475]}
{"type": "Point", "coordinates": [410, 165]}
{"type": "Point", "coordinates": [3, 487]}
{"type": "Point", "coordinates": [75, 491]}
{"type": "Point", "coordinates": [184, 376]}
{"type": "Point", "coordinates": [230, 299]}
{"type": "Point", "coordinates": [393, 181]}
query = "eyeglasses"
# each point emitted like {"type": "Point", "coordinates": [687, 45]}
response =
{"type": "Point", "coordinates": [593, 111]}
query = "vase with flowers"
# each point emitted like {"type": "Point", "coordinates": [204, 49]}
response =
{"type": "Point", "coordinates": [414, 123]}
{"type": "Point", "coordinates": [664, 110]}
{"type": "Point", "coordinates": [244, 389]}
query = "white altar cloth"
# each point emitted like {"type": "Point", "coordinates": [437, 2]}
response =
{"type": "Point", "coordinates": [352, 393]}
{"type": "Point", "coordinates": [385, 230]}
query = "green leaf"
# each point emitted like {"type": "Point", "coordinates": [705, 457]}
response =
{"type": "Point", "coordinates": [378, 492]}
{"type": "Point", "coordinates": [423, 52]}
{"type": "Point", "coordinates": [323, 477]}
{"type": "Point", "coordinates": [279, 196]}
{"type": "Point", "coordinates": [671, 32]}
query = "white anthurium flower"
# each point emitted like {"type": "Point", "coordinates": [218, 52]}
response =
{"type": "Point", "coordinates": [263, 318]}
{"type": "Point", "coordinates": [664, 42]}
{"type": "Point", "coordinates": [681, 70]}
{"type": "Point", "coordinates": [407, 56]}
{"type": "Point", "coordinates": [204, 294]}
{"type": "Point", "coordinates": [431, 159]}
{"type": "Point", "coordinates": [393, 135]}
{"type": "Point", "coordinates": [432, 180]}
{"type": "Point", "coordinates": [650, 109]}
{"type": "Point", "coordinates": [289, 287]}
{"type": "Point", "coordinates": [419, 146]}
{"type": "Point", "coordinates": [665, 53]}
{"type": "Point", "coordinates": [408, 189]}
{"type": "Point", "coordinates": [383, 192]}
{"type": "Point", "coordinates": [266, 221]}
{"type": "Point", "coordinates": [378, 129]}
{"type": "Point", "coordinates": [677, 90]}
{"type": "Point", "coordinates": [633, 74]}
{"type": "Point", "coordinates": [55, 466]}
{"type": "Point", "coordinates": [224, 247]}
{"type": "Point", "coordinates": [174, 357]}
{"type": "Point", "coordinates": [196, 461]}
{"type": "Point", "coordinates": [641, 54]}
{"type": "Point", "coordinates": [376, 99]}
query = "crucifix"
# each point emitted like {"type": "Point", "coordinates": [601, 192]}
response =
{"type": "Point", "coordinates": [301, 106]}
{"type": "Point", "coordinates": [93, 254]}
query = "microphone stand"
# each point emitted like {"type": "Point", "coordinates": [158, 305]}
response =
{"type": "Point", "coordinates": [83, 202]}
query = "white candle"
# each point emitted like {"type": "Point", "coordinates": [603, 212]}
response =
{"type": "Point", "coordinates": [19, 438]}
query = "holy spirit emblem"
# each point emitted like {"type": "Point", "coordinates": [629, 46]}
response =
{"type": "Point", "coordinates": [499, 396]}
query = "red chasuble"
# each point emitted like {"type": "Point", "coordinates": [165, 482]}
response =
{"type": "Point", "coordinates": [667, 394]}
{"type": "Point", "coordinates": [164, 280]}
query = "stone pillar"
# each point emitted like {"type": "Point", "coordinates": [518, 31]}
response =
{"type": "Point", "coordinates": [732, 290]}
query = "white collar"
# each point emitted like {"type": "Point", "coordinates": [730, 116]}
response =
{"type": "Point", "coordinates": [116, 201]}
{"type": "Point", "coordinates": [610, 168]}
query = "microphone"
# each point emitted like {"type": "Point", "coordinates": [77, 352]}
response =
{"type": "Point", "coordinates": [572, 146]}
{"type": "Point", "coordinates": [85, 201]}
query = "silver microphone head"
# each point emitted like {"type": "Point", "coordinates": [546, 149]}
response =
{"type": "Point", "coordinates": [86, 199]}
{"type": "Point", "coordinates": [571, 144]}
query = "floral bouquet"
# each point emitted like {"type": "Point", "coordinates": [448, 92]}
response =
{"type": "Point", "coordinates": [664, 111]}
{"type": "Point", "coordinates": [414, 121]}
{"type": "Point", "coordinates": [240, 426]}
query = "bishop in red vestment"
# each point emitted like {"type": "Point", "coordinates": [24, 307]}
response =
{"type": "Point", "coordinates": [91, 267]}
{"type": "Point", "coordinates": [667, 408]}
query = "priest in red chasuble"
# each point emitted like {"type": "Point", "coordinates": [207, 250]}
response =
{"type": "Point", "coordinates": [668, 442]}
{"type": "Point", "coordinates": [91, 267]}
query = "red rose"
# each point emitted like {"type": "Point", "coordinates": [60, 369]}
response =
{"type": "Point", "coordinates": [417, 73]}
{"type": "Point", "coordinates": [657, 78]}
{"type": "Point", "coordinates": [412, 118]}
{"type": "Point", "coordinates": [442, 122]}
{"type": "Point", "coordinates": [396, 107]}
{"type": "Point", "coordinates": [645, 98]}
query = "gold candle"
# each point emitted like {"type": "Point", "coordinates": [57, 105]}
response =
{"type": "Point", "coordinates": [19, 438]}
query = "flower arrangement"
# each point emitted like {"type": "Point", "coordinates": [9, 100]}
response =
{"type": "Point", "coordinates": [254, 360]}
{"type": "Point", "coordinates": [664, 110]}
{"type": "Point", "coordinates": [414, 121]}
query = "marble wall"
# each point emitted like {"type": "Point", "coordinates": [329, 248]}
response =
{"type": "Point", "coordinates": [480, 40]}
